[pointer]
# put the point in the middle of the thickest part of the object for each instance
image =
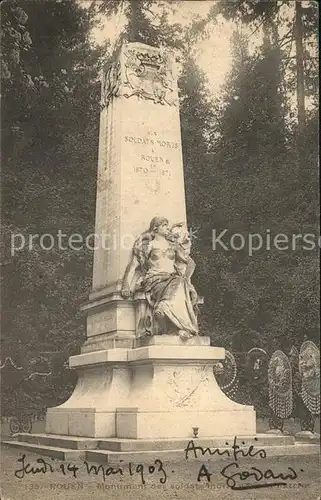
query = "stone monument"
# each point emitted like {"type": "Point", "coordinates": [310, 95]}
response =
{"type": "Point", "coordinates": [144, 370]}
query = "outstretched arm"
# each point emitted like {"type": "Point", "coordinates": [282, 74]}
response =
{"type": "Point", "coordinates": [185, 262]}
{"type": "Point", "coordinates": [190, 268]}
{"type": "Point", "coordinates": [128, 277]}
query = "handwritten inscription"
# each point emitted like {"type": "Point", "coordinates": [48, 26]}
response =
{"type": "Point", "coordinates": [232, 472]}
{"type": "Point", "coordinates": [235, 451]}
{"type": "Point", "coordinates": [42, 466]}
{"type": "Point", "coordinates": [237, 476]}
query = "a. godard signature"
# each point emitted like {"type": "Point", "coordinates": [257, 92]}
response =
{"type": "Point", "coordinates": [237, 477]}
{"type": "Point", "coordinates": [232, 471]}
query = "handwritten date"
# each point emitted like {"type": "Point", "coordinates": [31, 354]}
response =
{"type": "Point", "coordinates": [41, 466]}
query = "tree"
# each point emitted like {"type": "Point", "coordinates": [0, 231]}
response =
{"type": "Point", "coordinates": [15, 39]}
{"type": "Point", "coordinates": [299, 67]}
{"type": "Point", "coordinates": [49, 152]}
{"type": "Point", "coordinates": [301, 22]}
{"type": "Point", "coordinates": [257, 186]}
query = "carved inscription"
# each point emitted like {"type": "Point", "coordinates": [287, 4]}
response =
{"type": "Point", "coordinates": [139, 140]}
{"type": "Point", "coordinates": [151, 142]}
{"type": "Point", "coordinates": [152, 157]}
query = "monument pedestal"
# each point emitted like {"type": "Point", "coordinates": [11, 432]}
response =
{"type": "Point", "coordinates": [103, 384]}
{"type": "Point", "coordinates": [159, 390]}
{"type": "Point", "coordinates": [132, 403]}
{"type": "Point", "coordinates": [173, 389]}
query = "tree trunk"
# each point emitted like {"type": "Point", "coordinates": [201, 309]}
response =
{"type": "Point", "coordinates": [133, 35]}
{"type": "Point", "coordinates": [299, 66]}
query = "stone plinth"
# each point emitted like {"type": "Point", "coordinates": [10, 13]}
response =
{"type": "Point", "coordinates": [111, 322]}
{"type": "Point", "coordinates": [103, 384]}
{"type": "Point", "coordinates": [173, 389]}
{"type": "Point", "coordinates": [153, 391]}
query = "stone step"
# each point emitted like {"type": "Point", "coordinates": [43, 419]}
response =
{"type": "Point", "coordinates": [295, 450]}
{"type": "Point", "coordinates": [307, 437]}
{"type": "Point", "coordinates": [112, 457]}
{"type": "Point", "coordinates": [312, 440]}
{"type": "Point", "coordinates": [123, 445]}
{"type": "Point", "coordinates": [141, 450]}
{"type": "Point", "coordinates": [60, 441]}
{"type": "Point", "coordinates": [117, 444]}
{"type": "Point", "coordinates": [48, 451]}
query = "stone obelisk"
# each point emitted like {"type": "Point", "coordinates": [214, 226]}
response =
{"type": "Point", "coordinates": [140, 174]}
{"type": "Point", "coordinates": [127, 390]}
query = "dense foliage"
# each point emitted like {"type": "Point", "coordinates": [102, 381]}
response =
{"type": "Point", "coordinates": [50, 120]}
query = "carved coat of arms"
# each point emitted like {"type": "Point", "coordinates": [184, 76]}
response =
{"type": "Point", "coordinates": [149, 75]}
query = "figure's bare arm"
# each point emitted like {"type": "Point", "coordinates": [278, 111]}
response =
{"type": "Point", "coordinates": [185, 262]}
{"type": "Point", "coordinates": [190, 268]}
{"type": "Point", "coordinates": [128, 277]}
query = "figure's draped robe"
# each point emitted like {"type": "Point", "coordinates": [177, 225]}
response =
{"type": "Point", "coordinates": [169, 296]}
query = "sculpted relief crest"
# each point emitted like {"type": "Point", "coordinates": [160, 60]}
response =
{"type": "Point", "coordinates": [149, 76]}
{"type": "Point", "coordinates": [143, 73]}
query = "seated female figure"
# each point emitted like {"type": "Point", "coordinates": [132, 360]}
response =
{"type": "Point", "coordinates": [165, 268]}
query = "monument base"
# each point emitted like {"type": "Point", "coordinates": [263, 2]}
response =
{"type": "Point", "coordinates": [103, 384]}
{"type": "Point", "coordinates": [154, 391]}
{"type": "Point", "coordinates": [152, 401]}
{"type": "Point", "coordinates": [134, 423]}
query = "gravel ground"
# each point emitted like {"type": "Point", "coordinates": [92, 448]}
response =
{"type": "Point", "coordinates": [181, 481]}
